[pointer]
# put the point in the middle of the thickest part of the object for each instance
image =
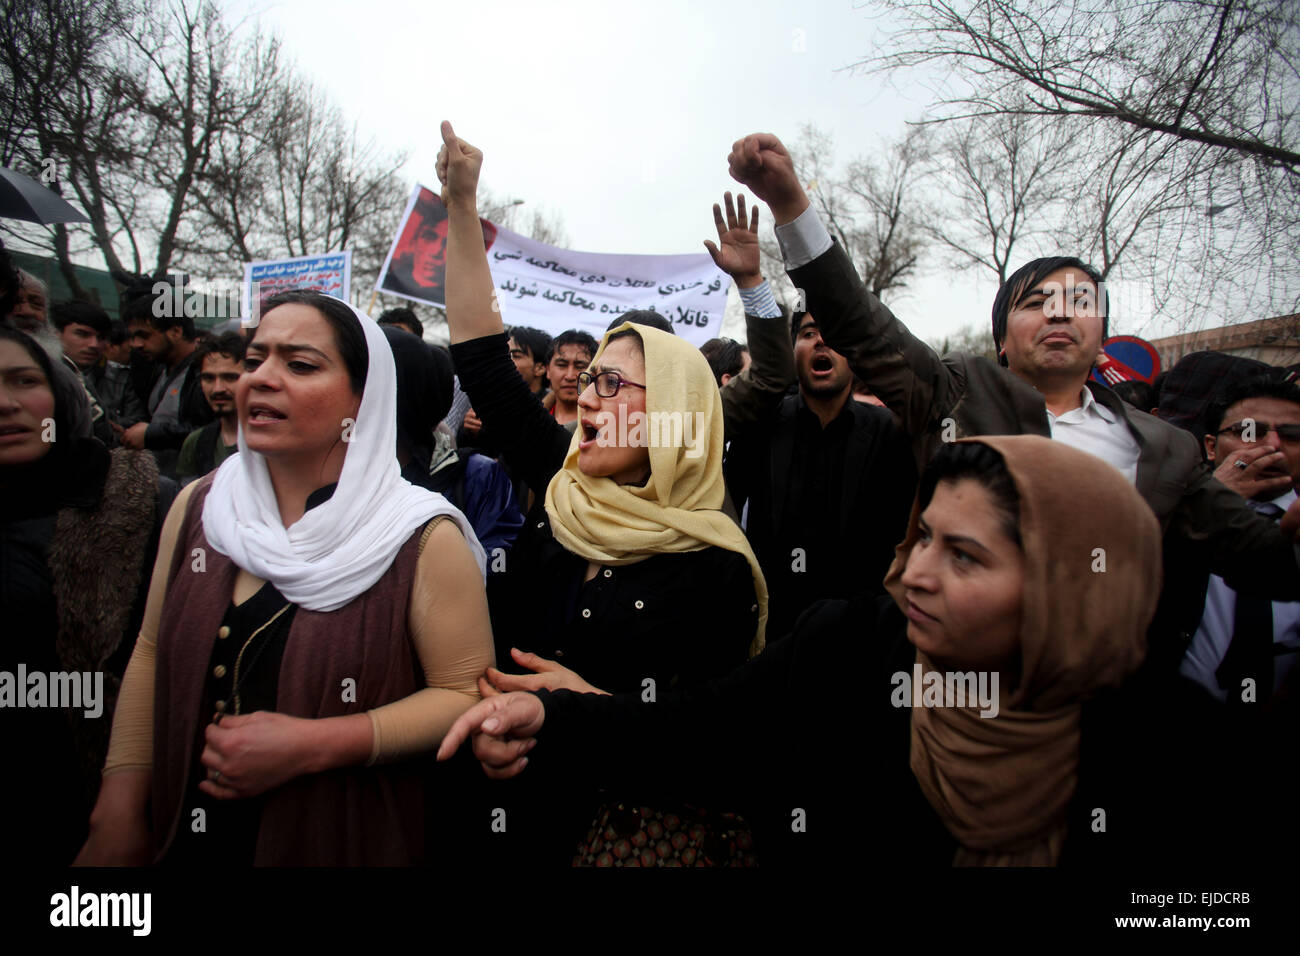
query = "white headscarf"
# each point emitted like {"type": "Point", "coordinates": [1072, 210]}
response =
{"type": "Point", "coordinates": [338, 549]}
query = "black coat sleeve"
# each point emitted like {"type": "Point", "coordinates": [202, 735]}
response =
{"type": "Point", "coordinates": [533, 442]}
{"type": "Point", "coordinates": [711, 742]}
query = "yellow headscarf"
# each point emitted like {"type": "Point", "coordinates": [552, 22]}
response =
{"type": "Point", "coordinates": [680, 508]}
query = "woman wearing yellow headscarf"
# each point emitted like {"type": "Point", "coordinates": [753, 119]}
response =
{"type": "Point", "coordinates": [628, 575]}
{"type": "Point", "coordinates": [1022, 591]}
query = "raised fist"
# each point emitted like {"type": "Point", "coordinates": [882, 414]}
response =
{"type": "Point", "coordinates": [760, 162]}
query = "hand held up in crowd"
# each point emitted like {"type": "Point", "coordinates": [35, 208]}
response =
{"type": "Point", "coordinates": [472, 309]}
{"type": "Point", "coordinates": [737, 251]}
{"type": "Point", "coordinates": [761, 163]}
{"type": "Point", "coordinates": [458, 168]}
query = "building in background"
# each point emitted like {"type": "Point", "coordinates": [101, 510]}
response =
{"type": "Point", "coordinates": [1275, 341]}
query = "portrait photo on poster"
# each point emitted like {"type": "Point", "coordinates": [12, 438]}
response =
{"type": "Point", "coordinates": [416, 267]}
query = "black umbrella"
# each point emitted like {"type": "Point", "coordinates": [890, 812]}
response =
{"type": "Point", "coordinates": [22, 197]}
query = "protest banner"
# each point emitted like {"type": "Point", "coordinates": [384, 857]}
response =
{"type": "Point", "coordinates": [416, 266]}
{"type": "Point", "coordinates": [330, 273]}
{"type": "Point", "coordinates": [555, 289]}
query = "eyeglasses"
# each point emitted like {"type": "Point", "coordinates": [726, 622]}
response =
{"type": "Point", "coordinates": [607, 383]}
{"type": "Point", "coordinates": [1259, 429]}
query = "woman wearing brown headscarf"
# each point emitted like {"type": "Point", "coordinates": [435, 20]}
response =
{"type": "Point", "coordinates": [1026, 562]}
{"type": "Point", "coordinates": [1091, 578]}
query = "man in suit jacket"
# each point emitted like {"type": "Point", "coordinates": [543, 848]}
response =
{"type": "Point", "coordinates": [1049, 323]}
{"type": "Point", "coordinates": [1244, 648]}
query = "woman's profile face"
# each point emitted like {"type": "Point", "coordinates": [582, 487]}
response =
{"type": "Point", "coordinates": [611, 444]}
{"type": "Point", "coordinates": [295, 400]}
{"type": "Point", "coordinates": [964, 581]}
{"type": "Point", "coordinates": [26, 406]}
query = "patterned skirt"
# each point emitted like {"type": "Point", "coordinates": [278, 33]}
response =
{"type": "Point", "coordinates": [626, 835]}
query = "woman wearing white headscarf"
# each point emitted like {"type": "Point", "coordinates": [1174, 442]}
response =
{"type": "Point", "coordinates": [311, 614]}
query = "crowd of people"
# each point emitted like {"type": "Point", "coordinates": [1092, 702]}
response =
{"type": "Point", "coordinates": [317, 592]}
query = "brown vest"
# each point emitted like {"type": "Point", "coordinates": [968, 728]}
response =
{"type": "Point", "coordinates": [358, 816]}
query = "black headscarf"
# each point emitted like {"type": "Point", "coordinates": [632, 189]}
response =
{"type": "Point", "coordinates": [74, 470]}
{"type": "Point", "coordinates": [424, 391]}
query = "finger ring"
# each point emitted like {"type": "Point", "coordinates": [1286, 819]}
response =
{"type": "Point", "coordinates": [1241, 464]}
{"type": "Point", "coordinates": [216, 776]}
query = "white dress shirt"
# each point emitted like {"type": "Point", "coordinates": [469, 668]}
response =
{"type": "Point", "coordinates": [1094, 428]}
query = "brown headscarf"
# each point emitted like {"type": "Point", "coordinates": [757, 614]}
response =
{"type": "Point", "coordinates": [1002, 784]}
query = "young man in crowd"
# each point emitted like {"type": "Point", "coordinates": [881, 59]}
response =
{"type": "Point", "coordinates": [176, 406]}
{"type": "Point", "coordinates": [112, 380]}
{"type": "Point", "coordinates": [727, 357]}
{"type": "Point", "coordinates": [81, 328]}
{"type": "Point", "coordinates": [220, 362]}
{"type": "Point", "coordinates": [1254, 446]}
{"type": "Point", "coordinates": [530, 350]}
{"type": "Point", "coordinates": [825, 483]}
{"type": "Point", "coordinates": [571, 353]}
{"type": "Point", "coordinates": [83, 331]}
{"type": "Point", "coordinates": [403, 318]}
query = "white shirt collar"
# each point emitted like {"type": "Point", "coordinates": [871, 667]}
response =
{"type": "Point", "coordinates": [1091, 402]}
{"type": "Point", "coordinates": [1088, 404]}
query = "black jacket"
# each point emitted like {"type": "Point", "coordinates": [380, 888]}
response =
{"type": "Point", "coordinates": [194, 411]}
{"type": "Point", "coordinates": [826, 505]}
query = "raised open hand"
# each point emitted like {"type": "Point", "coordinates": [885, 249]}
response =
{"type": "Point", "coordinates": [737, 251]}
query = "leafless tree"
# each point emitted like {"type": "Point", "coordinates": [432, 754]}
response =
{"type": "Point", "coordinates": [870, 207]}
{"type": "Point", "coordinates": [1182, 119]}
{"type": "Point", "coordinates": [974, 339]}
{"type": "Point", "coordinates": [61, 98]}
{"type": "Point", "coordinates": [199, 80]}
{"type": "Point", "coordinates": [1000, 188]}
{"type": "Point", "coordinates": [297, 181]}
{"type": "Point", "coordinates": [1224, 73]}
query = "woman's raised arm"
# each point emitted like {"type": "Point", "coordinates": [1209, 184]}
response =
{"type": "Point", "coordinates": [472, 310]}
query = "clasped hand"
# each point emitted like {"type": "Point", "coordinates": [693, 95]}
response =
{"type": "Point", "coordinates": [252, 753]}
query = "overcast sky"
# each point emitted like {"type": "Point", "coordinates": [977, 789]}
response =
{"type": "Point", "coordinates": [617, 116]}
